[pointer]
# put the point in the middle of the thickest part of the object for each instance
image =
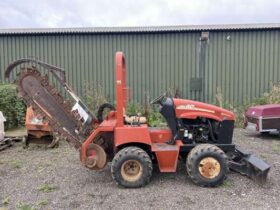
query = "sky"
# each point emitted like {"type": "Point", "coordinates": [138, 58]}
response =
{"type": "Point", "coordinates": [116, 13]}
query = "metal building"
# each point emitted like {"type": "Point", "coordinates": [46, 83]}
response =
{"type": "Point", "coordinates": [242, 60]}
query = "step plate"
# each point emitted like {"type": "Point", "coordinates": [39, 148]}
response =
{"type": "Point", "coordinates": [167, 156]}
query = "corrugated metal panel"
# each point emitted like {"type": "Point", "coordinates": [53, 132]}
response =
{"type": "Point", "coordinates": [242, 63]}
{"type": "Point", "coordinates": [140, 29]}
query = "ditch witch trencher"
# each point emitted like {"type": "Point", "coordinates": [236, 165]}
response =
{"type": "Point", "coordinates": [199, 134]}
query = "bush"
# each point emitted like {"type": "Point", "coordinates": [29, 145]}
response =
{"type": "Point", "coordinates": [154, 118]}
{"type": "Point", "coordinates": [271, 97]}
{"type": "Point", "coordinates": [94, 96]}
{"type": "Point", "coordinates": [133, 108]}
{"type": "Point", "coordinates": [12, 107]}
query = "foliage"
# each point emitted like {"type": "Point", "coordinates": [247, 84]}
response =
{"type": "Point", "coordinates": [271, 97]}
{"type": "Point", "coordinates": [154, 118]}
{"type": "Point", "coordinates": [24, 206]}
{"type": "Point", "coordinates": [16, 164]}
{"type": "Point", "coordinates": [42, 203]}
{"type": "Point", "coordinates": [227, 184]}
{"type": "Point", "coordinates": [276, 148]}
{"type": "Point", "coordinates": [6, 201]}
{"type": "Point", "coordinates": [11, 106]}
{"type": "Point", "coordinates": [94, 96]}
{"type": "Point", "coordinates": [134, 108]}
{"type": "Point", "coordinates": [47, 188]}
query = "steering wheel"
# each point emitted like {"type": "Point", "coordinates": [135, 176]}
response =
{"type": "Point", "coordinates": [158, 99]}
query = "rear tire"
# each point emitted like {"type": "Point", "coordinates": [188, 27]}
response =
{"type": "Point", "coordinates": [132, 167]}
{"type": "Point", "coordinates": [207, 165]}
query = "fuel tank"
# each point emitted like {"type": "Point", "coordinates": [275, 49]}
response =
{"type": "Point", "coordinates": [190, 109]}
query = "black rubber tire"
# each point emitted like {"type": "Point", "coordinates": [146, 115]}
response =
{"type": "Point", "coordinates": [132, 153]}
{"type": "Point", "coordinates": [196, 155]}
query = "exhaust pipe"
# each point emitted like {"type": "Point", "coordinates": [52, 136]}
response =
{"type": "Point", "coordinates": [249, 165]}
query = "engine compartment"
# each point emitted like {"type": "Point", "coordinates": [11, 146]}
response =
{"type": "Point", "coordinates": [199, 130]}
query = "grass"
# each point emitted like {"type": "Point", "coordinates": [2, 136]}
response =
{"type": "Point", "coordinates": [6, 201]}
{"type": "Point", "coordinates": [16, 164]}
{"type": "Point", "coordinates": [276, 148]}
{"type": "Point", "coordinates": [42, 203]}
{"type": "Point", "coordinates": [263, 156]}
{"type": "Point", "coordinates": [25, 206]}
{"type": "Point", "coordinates": [40, 169]}
{"type": "Point", "coordinates": [54, 151]}
{"type": "Point", "coordinates": [43, 165]}
{"type": "Point", "coordinates": [227, 184]}
{"type": "Point", "coordinates": [48, 188]}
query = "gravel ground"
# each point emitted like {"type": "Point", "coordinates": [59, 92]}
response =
{"type": "Point", "coordinates": [54, 179]}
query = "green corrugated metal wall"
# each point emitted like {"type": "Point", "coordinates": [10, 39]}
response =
{"type": "Point", "coordinates": [242, 63]}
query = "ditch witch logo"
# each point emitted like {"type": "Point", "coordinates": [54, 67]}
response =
{"type": "Point", "coordinates": [192, 107]}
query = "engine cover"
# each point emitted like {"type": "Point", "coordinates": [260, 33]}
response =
{"type": "Point", "coordinates": [192, 109]}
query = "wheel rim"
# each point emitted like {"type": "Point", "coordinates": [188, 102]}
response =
{"type": "Point", "coordinates": [209, 167]}
{"type": "Point", "coordinates": [131, 170]}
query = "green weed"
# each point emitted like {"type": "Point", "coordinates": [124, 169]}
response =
{"type": "Point", "coordinates": [227, 184]}
{"type": "Point", "coordinates": [25, 206]}
{"type": "Point", "coordinates": [94, 96]}
{"type": "Point", "coordinates": [263, 156]}
{"type": "Point", "coordinates": [42, 203]}
{"type": "Point", "coordinates": [6, 201]}
{"type": "Point", "coordinates": [276, 148]}
{"type": "Point", "coordinates": [47, 188]}
{"type": "Point", "coordinates": [13, 108]}
{"type": "Point", "coordinates": [271, 97]}
{"type": "Point", "coordinates": [16, 164]}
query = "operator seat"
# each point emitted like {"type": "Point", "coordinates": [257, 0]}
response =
{"type": "Point", "coordinates": [168, 112]}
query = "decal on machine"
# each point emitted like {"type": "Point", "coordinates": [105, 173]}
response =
{"type": "Point", "coordinates": [192, 107]}
{"type": "Point", "coordinates": [184, 107]}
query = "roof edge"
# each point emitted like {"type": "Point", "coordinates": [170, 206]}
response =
{"type": "Point", "coordinates": [140, 29]}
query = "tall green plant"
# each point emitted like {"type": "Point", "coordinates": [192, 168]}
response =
{"type": "Point", "coordinates": [12, 107]}
{"type": "Point", "coordinates": [271, 97]}
{"type": "Point", "coordinates": [94, 96]}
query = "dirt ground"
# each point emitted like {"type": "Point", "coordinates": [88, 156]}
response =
{"type": "Point", "coordinates": [41, 178]}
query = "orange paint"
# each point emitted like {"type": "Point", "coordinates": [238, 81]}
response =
{"type": "Point", "coordinates": [167, 155]}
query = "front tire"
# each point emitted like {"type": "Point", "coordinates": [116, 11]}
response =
{"type": "Point", "coordinates": [132, 167]}
{"type": "Point", "coordinates": [207, 165]}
